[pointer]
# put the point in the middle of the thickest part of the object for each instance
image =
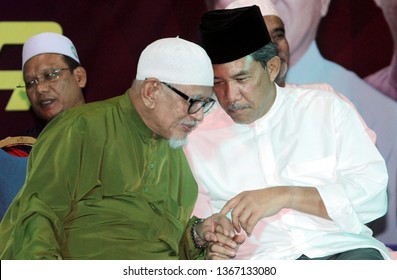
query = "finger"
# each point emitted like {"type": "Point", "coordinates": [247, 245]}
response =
{"type": "Point", "coordinates": [220, 237]}
{"type": "Point", "coordinates": [208, 227]}
{"type": "Point", "coordinates": [229, 205]}
{"type": "Point", "coordinates": [221, 251]}
{"type": "Point", "coordinates": [210, 236]}
{"type": "Point", "coordinates": [236, 212]}
{"type": "Point", "coordinates": [220, 229]}
{"type": "Point", "coordinates": [226, 241]}
{"type": "Point", "coordinates": [251, 223]}
{"type": "Point", "coordinates": [225, 228]}
{"type": "Point", "coordinates": [244, 218]}
{"type": "Point", "coordinates": [239, 239]}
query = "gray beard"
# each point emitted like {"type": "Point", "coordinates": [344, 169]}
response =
{"type": "Point", "coordinates": [176, 143]}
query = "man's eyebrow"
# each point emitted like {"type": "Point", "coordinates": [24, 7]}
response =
{"type": "Point", "coordinates": [279, 29]}
{"type": "Point", "coordinates": [240, 73]}
{"type": "Point", "coordinates": [43, 71]}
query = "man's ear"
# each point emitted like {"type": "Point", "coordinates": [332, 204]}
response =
{"type": "Point", "coordinates": [149, 90]}
{"type": "Point", "coordinates": [81, 76]}
{"type": "Point", "coordinates": [273, 67]}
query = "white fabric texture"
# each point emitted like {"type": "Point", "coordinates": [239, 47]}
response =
{"type": "Point", "coordinates": [48, 42]}
{"type": "Point", "coordinates": [266, 6]}
{"type": "Point", "coordinates": [308, 138]}
{"type": "Point", "coordinates": [378, 111]}
{"type": "Point", "coordinates": [176, 61]}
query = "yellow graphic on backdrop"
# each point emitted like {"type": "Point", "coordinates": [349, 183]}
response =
{"type": "Point", "coordinates": [16, 33]}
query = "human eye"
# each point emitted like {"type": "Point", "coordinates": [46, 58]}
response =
{"type": "Point", "coordinates": [196, 105]}
{"type": "Point", "coordinates": [278, 35]}
{"type": "Point", "coordinates": [31, 83]}
{"type": "Point", "coordinates": [218, 83]}
{"type": "Point", "coordinates": [242, 79]}
{"type": "Point", "coordinates": [51, 75]}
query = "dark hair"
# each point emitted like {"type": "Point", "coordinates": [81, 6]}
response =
{"type": "Point", "coordinates": [264, 54]}
{"type": "Point", "coordinates": [72, 64]}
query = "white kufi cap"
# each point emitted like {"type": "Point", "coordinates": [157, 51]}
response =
{"type": "Point", "coordinates": [176, 61]}
{"type": "Point", "coordinates": [48, 42]}
{"type": "Point", "coordinates": [267, 6]}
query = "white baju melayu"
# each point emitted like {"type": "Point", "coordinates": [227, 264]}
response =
{"type": "Point", "coordinates": [308, 138]}
{"type": "Point", "coordinates": [377, 110]}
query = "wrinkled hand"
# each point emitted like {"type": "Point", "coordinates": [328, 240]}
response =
{"type": "Point", "coordinates": [219, 232]}
{"type": "Point", "coordinates": [250, 206]}
{"type": "Point", "coordinates": [214, 226]}
{"type": "Point", "coordinates": [220, 251]}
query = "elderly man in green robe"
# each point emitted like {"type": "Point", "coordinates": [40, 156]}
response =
{"type": "Point", "coordinates": [109, 180]}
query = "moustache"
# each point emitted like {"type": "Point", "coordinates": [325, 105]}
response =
{"type": "Point", "coordinates": [191, 123]}
{"type": "Point", "coordinates": [235, 106]}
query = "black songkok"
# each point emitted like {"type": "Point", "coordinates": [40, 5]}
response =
{"type": "Point", "coordinates": [231, 34]}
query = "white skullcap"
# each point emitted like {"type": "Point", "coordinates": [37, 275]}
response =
{"type": "Point", "coordinates": [176, 61]}
{"type": "Point", "coordinates": [48, 42]}
{"type": "Point", "coordinates": [267, 6]}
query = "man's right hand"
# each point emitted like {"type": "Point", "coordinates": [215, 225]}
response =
{"type": "Point", "coordinates": [221, 251]}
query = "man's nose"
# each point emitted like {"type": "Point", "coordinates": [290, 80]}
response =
{"type": "Point", "coordinates": [232, 92]}
{"type": "Point", "coordinates": [41, 87]}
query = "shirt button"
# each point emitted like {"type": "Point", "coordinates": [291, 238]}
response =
{"type": "Point", "coordinates": [152, 206]}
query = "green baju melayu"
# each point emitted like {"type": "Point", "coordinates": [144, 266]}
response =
{"type": "Point", "coordinates": [100, 185]}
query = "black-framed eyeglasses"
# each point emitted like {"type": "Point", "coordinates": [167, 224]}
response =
{"type": "Point", "coordinates": [47, 77]}
{"type": "Point", "coordinates": [195, 104]}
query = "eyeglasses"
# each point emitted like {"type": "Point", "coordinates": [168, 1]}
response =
{"type": "Point", "coordinates": [48, 77]}
{"type": "Point", "coordinates": [195, 104]}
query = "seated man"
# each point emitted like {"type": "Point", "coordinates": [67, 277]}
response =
{"type": "Point", "coordinates": [50, 90]}
{"type": "Point", "coordinates": [276, 30]}
{"type": "Point", "coordinates": [300, 175]}
{"type": "Point", "coordinates": [108, 180]}
{"type": "Point", "coordinates": [307, 65]}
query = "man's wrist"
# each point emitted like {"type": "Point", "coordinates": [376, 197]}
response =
{"type": "Point", "coordinates": [197, 241]}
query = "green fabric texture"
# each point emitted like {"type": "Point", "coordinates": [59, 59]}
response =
{"type": "Point", "coordinates": [101, 186]}
{"type": "Point", "coordinates": [188, 251]}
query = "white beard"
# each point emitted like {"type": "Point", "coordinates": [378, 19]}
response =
{"type": "Point", "coordinates": [176, 143]}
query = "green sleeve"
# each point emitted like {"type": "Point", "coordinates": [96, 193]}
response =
{"type": "Point", "coordinates": [33, 228]}
{"type": "Point", "coordinates": [187, 249]}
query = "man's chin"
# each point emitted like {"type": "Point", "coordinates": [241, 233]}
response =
{"type": "Point", "coordinates": [176, 143]}
{"type": "Point", "coordinates": [48, 115]}
{"type": "Point", "coordinates": [239, 118]}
